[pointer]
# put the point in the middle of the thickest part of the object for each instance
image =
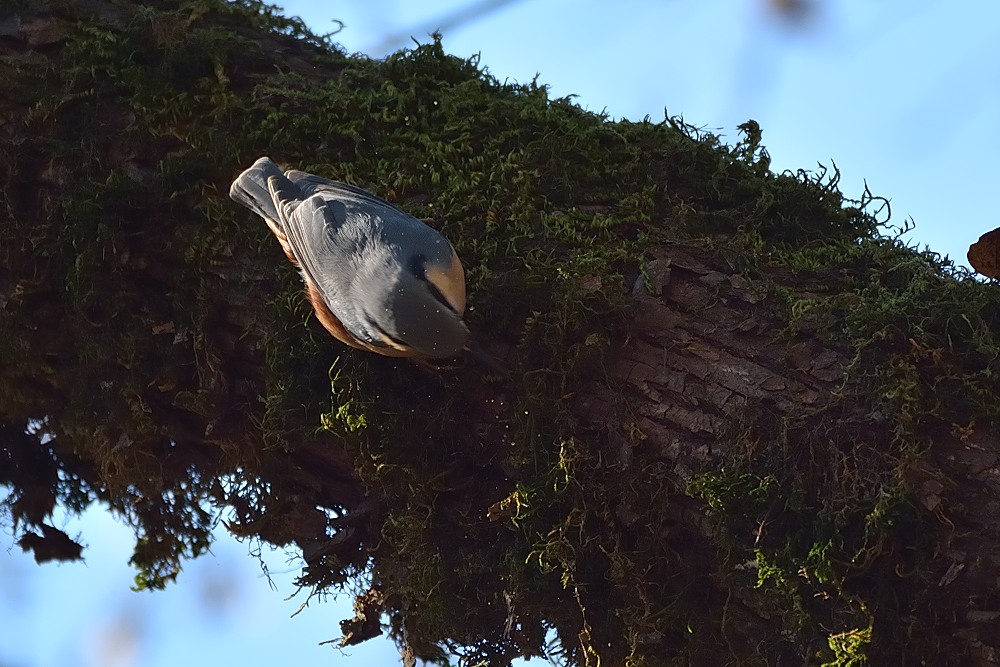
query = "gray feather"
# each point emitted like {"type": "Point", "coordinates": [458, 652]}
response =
{"type": "Point", "coordinates": [250, 188]}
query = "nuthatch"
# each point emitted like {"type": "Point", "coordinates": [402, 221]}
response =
{"type": "Point", "coordinates": [378, 278]}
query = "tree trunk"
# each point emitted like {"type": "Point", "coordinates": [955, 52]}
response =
{"type": "Point", "coordinates": [786, 459]}
{"type": "Point", "coordinates": [741, 425]}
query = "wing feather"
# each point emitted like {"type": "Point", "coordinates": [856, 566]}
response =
{"type": "Point", "coordinates": [334, 250]}
{"type": "Point", "coordinates": [311, 184]}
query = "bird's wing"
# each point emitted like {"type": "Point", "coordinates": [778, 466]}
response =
{"type": "Point", "coordinates": [311, 184]}
{"type": "Point", "coordinates": [334, 251]}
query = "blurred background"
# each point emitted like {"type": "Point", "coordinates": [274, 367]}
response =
{"type": "Point", "coordinates": [903, 95]}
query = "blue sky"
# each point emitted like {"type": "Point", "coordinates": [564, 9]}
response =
{"type": "Point", "coordinates": [901, 94]}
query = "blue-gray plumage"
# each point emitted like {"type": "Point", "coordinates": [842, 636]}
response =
{"type": "Point", "coordinates": [378, 278]}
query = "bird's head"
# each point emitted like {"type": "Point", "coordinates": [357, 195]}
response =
{"type": "Point", "coordinates": [423, 309]}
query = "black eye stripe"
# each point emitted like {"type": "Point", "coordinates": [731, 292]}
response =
{"type": "Point", "coordinates": [440, 297]}
{"type": "Point", "coordinates": [420, 273]}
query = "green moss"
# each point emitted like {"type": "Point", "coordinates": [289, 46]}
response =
{"type": "Point", "coordinates": [832, 512]}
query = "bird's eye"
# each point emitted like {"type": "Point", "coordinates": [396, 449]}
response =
{"type": "Point", "coordinates": [417, 267]}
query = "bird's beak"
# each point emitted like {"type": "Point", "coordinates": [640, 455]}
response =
{"type": "Point", "coordinates": [480, 355]}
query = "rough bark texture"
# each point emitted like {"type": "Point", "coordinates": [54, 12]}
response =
{"type": "Point", "coordinates": [741, 425]}
{"type": "Point", "coordinates": [703, 356]}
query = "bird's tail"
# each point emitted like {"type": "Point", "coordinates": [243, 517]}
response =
{"type": "Point", "coordinates": [250, 189]}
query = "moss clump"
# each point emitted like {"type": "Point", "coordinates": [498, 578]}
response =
{"type": "Point", "coordinates": [847, 535]}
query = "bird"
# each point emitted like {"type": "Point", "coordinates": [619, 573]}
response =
{"type": "Point", "coordinates": [379, 279]}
